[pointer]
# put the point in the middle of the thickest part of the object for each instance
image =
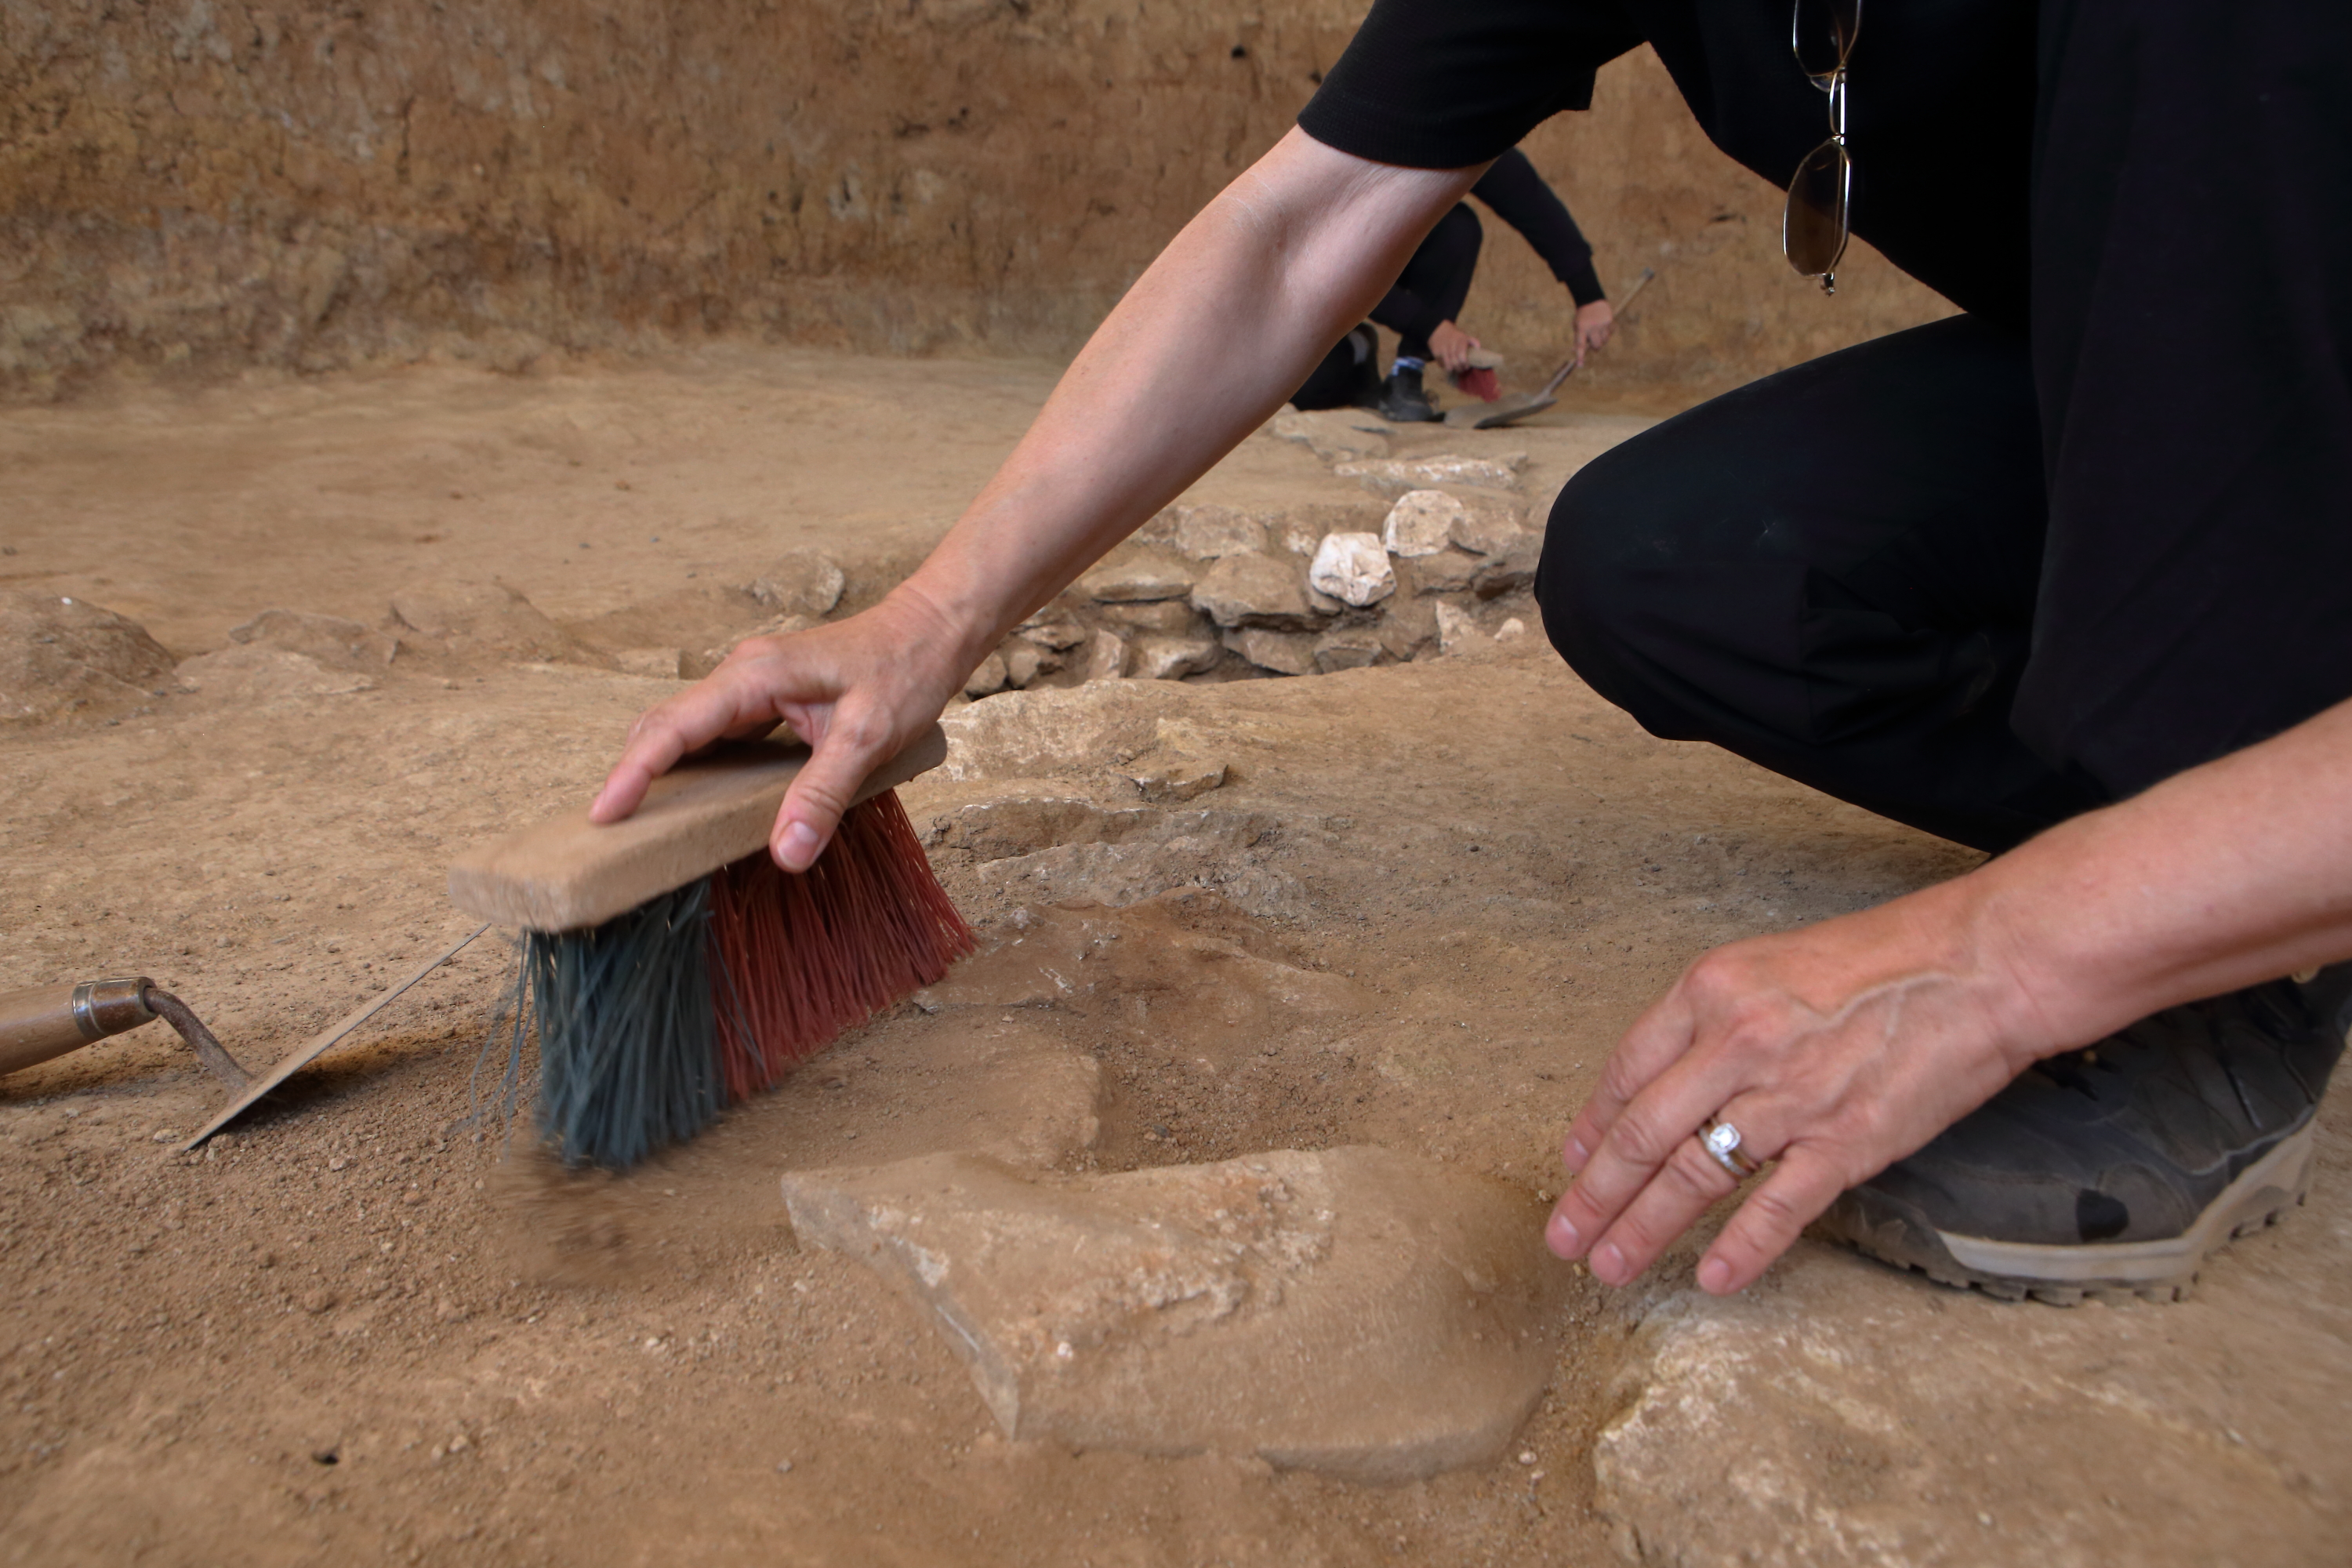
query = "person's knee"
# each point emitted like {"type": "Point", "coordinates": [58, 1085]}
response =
{"type": "Point", "coordinates": [1588, 599]}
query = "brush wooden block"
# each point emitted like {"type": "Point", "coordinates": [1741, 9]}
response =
{"type": "Point", "coordinates": [568, 872]}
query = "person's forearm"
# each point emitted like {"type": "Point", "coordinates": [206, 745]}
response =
{"type": "Point", "coordinates": [1210, 342]}
{"type": "Point", "coordinates": [2230, 874]}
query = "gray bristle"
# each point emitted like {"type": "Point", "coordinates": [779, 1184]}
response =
{"type": "Point", "coordinates": [627, 1045]}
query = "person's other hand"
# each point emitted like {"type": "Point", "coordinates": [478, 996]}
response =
{"type": "Point", "coordinates": [1835, 1050]}
{"type": "Point", "coordinates": [1594, 324]}
{"type": "Point", "coordinates": [858, 691]}
{"type": "Point", "coordinates": [1451, 346]}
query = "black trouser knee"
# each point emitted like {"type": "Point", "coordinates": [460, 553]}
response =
{"type": "Point", "coordinates": [1831, 573]}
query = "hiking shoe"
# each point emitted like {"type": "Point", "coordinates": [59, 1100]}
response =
{"type": "Point", "coordinates": [1403, 401]}
{"type": "Point", "coordinates": [2115, 1170]}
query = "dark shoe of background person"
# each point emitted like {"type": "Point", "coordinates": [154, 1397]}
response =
{"type": "Point", "coordinates": [2115, 1170]}
{"type": "Point", "coordinates": [1403, 401]}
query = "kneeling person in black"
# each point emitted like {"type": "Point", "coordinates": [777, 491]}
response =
{"type": "Point", "coordinates": [2071, 584]}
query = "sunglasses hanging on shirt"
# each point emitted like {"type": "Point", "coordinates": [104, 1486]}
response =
{"type": "Point", "coordinates": [1814, 227]}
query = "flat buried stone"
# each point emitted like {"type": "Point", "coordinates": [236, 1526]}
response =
{"type": "Point", "coordinates": [1356, 1312]}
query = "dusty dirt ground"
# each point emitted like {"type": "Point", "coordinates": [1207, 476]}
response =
{"type": "Point", "coordinates": [362, 1326]}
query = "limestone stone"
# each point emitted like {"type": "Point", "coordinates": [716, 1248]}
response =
{"type": "Point", "coordinates": [1458, 631]}
{"type": "Point", "coordinates": [1168, 776]}
{"type": "Point", "coordinates": [329, 639]}
{"type": "Point", "coordinates": [1284, 653]}
{"type": "Point", "coordinates": [1299, 528]}
{"type": "Point", "coordinates": [254, 674]}
{"type": "Point", "coordinates": [61, 655]}
{"type": "Point", "coordinates": [1164, 852]}
{"type": "Point", "coordinates": [1334, 435]}
{"type": "Point", "coordinates": [1350, 647]}
{"type": "Point", "coordinates": [1210, 532]}
{"type": "Point", "coordinates": [1132, 576]}
{"type": "Point", "coordinates": [1408, 624]}
{"type": "Point", "coordinates": [1511, 630]}
{"type": "Point", "coordinates": [1422, 523]}
{"type": "Point", "coordinates": [1352, 568]}
{"type": "Point", "coordinates": [1024, 661]}
{"type": "Point", "coordinates": [988, 680]}
{"type": "Point", "coordinates": [1104, 656]}
{"type": "Point", "coordinates": [1443, 571]}
{"type": "Point", "coordinates": [800, 583]}
{"type": "Point", "coordinates": [1355, 1311]}
{"type": "Point", "coordinates": [1057, 633]}
{"type": "Point", "coordinates": [1514, 567]}
{"type": "Point", "coordinates": [1152, 615]}
{"type": "Point", "coordinates": [659, 663]}
{"type": "Point", "coordinates": [1254, 589]}
{"type": "Point", "coordinates": [471, 618]}
{"type": "Point", "coordinates": [1487, 525]}
{"type": "Point", "coordinates": [1160, 656]}
{"type": "Point", "coordinates": [1393, 477]}
{"type": "Point", "coordinates": [1036, 734]}
{"type": "Point", "coordinates": [1840, 1414]}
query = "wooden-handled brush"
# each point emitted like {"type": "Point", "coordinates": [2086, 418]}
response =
{"type": "Point", "coordinates": [671, 968]}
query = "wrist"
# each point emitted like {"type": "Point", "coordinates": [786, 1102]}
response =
{"type": "Point", "coordinates": [945, 633]}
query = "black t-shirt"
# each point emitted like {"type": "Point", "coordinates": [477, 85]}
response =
{"type": "Point", "coordinates": [1939, 116]}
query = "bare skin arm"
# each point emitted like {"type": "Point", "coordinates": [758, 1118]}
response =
{"type": "Point", "coordinates": [1842, 1048]}
{"type": "Point", "coordinates": [1286, 259]}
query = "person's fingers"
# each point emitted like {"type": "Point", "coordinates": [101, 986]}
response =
{"type": "Point", "coordinates": [850, 748]}
{"type": "Point", "coordinates": [1655, 1042]}
{"type": "Point", "coordinates": [1803, 1184]}
{"type": "Point", "coordinates": [1685, 1186]}
{"type": "Point", "coordinates": [708, 710]}
{"type": "Point", "coordinates": [1644, 1137]}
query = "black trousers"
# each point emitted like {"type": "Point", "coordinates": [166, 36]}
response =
{"type": "Point", "coordinates": [1436, 280]}
{"type": "Point", "coordinates": [1980, 579]}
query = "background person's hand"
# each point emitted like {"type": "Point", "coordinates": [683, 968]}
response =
{"type": "Point", "coordinates": [858, 691]}
{"type": "Point", "coordinates": [1835, 1050]}
{"type": "Point", "coordinates": [1451, 346]}
{"type": "Point", "coordinates": [1594, 324]}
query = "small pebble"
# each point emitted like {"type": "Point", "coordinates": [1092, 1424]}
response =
{"type": "Point", "coordinates": [1527, 1456]}
{"type": "Point", "coordinates": [166, 1136]}
{"type": "Point", "coordinates": [338, 1163]}
{"type": "Point", "coordinates": [784, 1466]}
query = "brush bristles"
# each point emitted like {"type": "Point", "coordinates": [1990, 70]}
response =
{"type": "Point", "coordinates": [650, 1023]}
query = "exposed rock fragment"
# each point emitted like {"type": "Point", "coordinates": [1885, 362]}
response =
{"type": "Point", "coordinates": [1514, 567]}
{"type": "Point", "coordinates": [1350, 647]}
{"type": "Point", "coordinates": [255, 674]}
{"type": "Point", "coordinates": [1169, 774]}
{"type": "Point", "coordinates": [988, 680]}
{"type": "Point", "coordinates": [1152, 615]}
{"type": "Point", "coordinates": [1254, 589]}
{"type": "Point", "coordinates": [477, 619]}
{"type": "Point", "coordinates": [659, 663]}
{"type": "Point", "coordinates": [1024, 661]}
{"type": "Point", "coordinates": [1444, 570]}
{"type": "Point", "coordinates": [1407, 626]}
{"type": "Point", "coordinates": [800, 583]}
{"type": "Point", "coordinates": [61, 655]}
{"type": "Point", "coordinates": [1131, 575]}
{"type": "Point", "coordinates": [329, 639]}
{"type": "Point", "coordinates": [1355, 1311]}
{"type": "Point", "coordinates": [1284, 653]}
{"type": "Point", "coordinates": [1057, 633]}
{"type": "Point", "coordinates": [1422, 523]}
{"type": "Point", "coordinates": [1104, 658]}
{"type": "Point", "coordinates": [1035, 734]}
{"type": "Point", "coordinates": [1160, 656]}
{"type": "Point", "coordinates": [1210, 532]}
{"type": "Point", "coordinates": [1334, 435]}
{"type": "Point", "coordinates": [1486, 526]}
{"type": "Point", "coordinates": [1458, 631]}
{"type": "Point", "coordinates": [1352, 568]}
{"type": "Point", "coordinates": [1393, 477]}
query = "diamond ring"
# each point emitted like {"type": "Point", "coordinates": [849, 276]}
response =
{"type": "Point", "coordinates": [1721, 1140]}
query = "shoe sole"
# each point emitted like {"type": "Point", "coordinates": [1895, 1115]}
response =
{"type": "Point", "coordinates": [2160, 1270]}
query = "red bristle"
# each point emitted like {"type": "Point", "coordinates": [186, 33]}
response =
{"type": "Point", "coordinates": [807, 957]}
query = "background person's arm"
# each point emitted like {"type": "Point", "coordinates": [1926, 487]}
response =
{"type": "Point", "coordinates": [1843, 1046]}
{"type": "Point", "coordinates": [1521, 197]}
{"type": "Point", "coordinates": [1212, 339]}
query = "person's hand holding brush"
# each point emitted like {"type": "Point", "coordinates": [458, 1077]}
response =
{"type": "Point", "coordinates": [1288, 258]}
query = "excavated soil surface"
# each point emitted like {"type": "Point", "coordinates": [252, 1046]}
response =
{"type": "Point", "coordinates": [368, 1325]}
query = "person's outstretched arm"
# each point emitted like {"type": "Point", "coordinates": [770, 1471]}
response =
{"type": "Point", "coordinates": [1521, 197]}
{"type": "Point", "coordinates": [1207, 344]}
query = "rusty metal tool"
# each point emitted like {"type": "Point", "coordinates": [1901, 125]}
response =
{"type": "Point", "coordinates": [46, 1021]}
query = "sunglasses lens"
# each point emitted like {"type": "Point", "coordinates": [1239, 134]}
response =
{"type": "Point", "coordinates": [1823, 34]}
{"type": "Point", "coordinates": [1814, 228]}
